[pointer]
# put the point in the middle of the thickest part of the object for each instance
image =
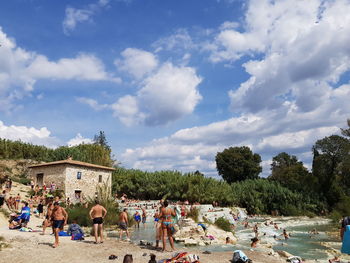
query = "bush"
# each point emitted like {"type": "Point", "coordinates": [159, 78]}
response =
{"type": "Point", "coordinates": [194, 214]}
{"type": "Point", "coordinates": [21, 180]}
{"type": "Point", "coordinates": [81, 214]}
{"type": "Point", "coordinates": [223, 224]}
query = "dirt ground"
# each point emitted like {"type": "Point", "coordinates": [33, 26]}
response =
{"type": "Point", "coordinates": [34, 248]}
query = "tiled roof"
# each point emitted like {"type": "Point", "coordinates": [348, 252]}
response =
{"type": "Point", "coordinates": [73, 162]}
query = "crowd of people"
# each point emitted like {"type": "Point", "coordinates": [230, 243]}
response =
{"type": "Point", "coordinates": [51, 208]}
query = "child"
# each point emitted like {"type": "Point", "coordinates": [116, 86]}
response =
{"type": "Point", "coordinates": [153, 259]}
{"type": "Point", "coordinates": [128, 259]}
{"type": "Point", "coordinates": [40, 208]}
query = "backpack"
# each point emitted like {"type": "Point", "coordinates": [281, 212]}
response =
{"type": "Point", "coordinates": [239, 257]}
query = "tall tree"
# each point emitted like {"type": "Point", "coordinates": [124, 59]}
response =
{"type": "Point", "coordinates": [100, 139]}
{"type": "Point", "coordinates": [288, 171]}
{"type": "Point", "coordinates": [329, 154]}
{"type": "Point", "coordinates": [346, 132]}
{"type": "Point", "coordinates": [238, 164]}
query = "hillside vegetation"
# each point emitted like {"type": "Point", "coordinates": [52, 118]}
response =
{"type": "Point", "coordinates": [291, 189]}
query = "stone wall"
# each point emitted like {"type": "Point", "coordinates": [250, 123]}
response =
{"type": "Point", "coordinates": [88, 182]}
{"type": "Point", "coordinates": [53, 173]}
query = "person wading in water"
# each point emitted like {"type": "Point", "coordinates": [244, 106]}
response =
{"type": "Point", "coordinates": [167, 224]}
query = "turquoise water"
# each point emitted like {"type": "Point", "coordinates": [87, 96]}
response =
{"type": "Point", "coordinates": [300, 242]}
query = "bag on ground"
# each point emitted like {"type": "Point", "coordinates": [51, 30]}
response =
{"type": "Point", "coordinates": [239, 257]}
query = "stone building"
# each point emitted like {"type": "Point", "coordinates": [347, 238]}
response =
{"type": "Point", "coordinates": [76, 179]}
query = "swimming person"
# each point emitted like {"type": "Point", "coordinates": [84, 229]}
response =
{"type": "Point", "coordinates": [97, 213]}
{"type": "Point", "coordinates": [167, 224]}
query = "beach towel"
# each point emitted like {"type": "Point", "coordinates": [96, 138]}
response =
{"type": "Point", "coordinates": [346, 241]}
{"type": "Point", "coordinates": [63, 234]}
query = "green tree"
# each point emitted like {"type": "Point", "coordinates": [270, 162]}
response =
{"type": "Point", "coordinates": [329, 156]}
{"type": "Point", "coordinates": [238, 164]}
{"type": "Point", "coordinates": [346, 132]}
{"type": "Point", "coordinates": [289, 172]}
{"type": "Point", "coordinates": [100, 139]}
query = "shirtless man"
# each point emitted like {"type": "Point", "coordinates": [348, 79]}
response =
{"type": "Point", "coordinates": [47, 222]}
{"type": "Point", "coordinates": [97, 213]}
{"type": "Point", "coordinates": [123, 224]}
{"type": "Point", "coordinates": [144, 216]}
{"type": "Point", "coordinates": [59, 217]}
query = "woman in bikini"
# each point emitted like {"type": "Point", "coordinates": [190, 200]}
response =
{"type": "Point", "coordinates": [166, 214]}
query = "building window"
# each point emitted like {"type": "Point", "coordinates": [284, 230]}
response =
{"type": "Point", "coordinates": [79, 175]}
{"type": "Point", "coordinates": [100, 178]}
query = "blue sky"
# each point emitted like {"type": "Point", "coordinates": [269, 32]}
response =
{"type": "Point", "coordinates": [173, 82]}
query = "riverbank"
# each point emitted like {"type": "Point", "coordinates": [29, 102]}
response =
{"type": "Point", "coordinates": [31, 247]}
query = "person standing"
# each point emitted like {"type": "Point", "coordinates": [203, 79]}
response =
{"type": "Point", "coordinates": [166, 214]}
{"type": "Point", "coordinates": [48, 218]}
{"type": "Point", "coordinates": [40, 208]}
{"type": "Point", "coordinates": [2, 198]}
{"type": "Point", "coordinates": [137, 218]}
{"type": "Point", "coordinates": [144, 216]}
{"type": "Point", "coordinates": [59, 217]}
{"type": "Point", "coordinates": [97, 214]}
{"type": "Point", "coordinates": [123, 224]}
{"type": "Point", "coordinates": [345, 235]}
{"type": "Point", "coordinates": [17, 201]}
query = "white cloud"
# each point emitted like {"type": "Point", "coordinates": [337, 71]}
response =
{"type": "Point", "coordinates": [304, 49]}
{"type": "Point", "coordinates": [268, 133]}
{"type": "Point", "coordinates": [178, 41]}
{"type": "Point", "coordinates": [137, 62]}
{"type": "Point", "coordinates": [127, 110]}
{"type": "Point", "coordinates": [20, 69]}
{"type": "Point", "coordinates": [75, 16]}
{"type": "Point", "coordinates": [166, 95]}
{"type": "Point", "coordinates": [78, 139]}
{"type": "Point", "coordinates": [93, 103]}
{"type": "Point", "coordinates": [40, 136]}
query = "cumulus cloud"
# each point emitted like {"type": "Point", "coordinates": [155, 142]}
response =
{"type": "Point", "coordinates": [75, 16]}
{"type": "Point", "coordinates": [40, 136]}
{"type": "Point", "coordinates": [167, 95]}
{"type": "Point", "coordinates": [137, 62]}
{"type": "Point", "coordinates": [304, 49]}
{"type": "Point", "coordinates": [20, 69]}
{"type": "Point", "coordinates": [268, 133]}
{"type": "Point", "coordinates": [79, 139]}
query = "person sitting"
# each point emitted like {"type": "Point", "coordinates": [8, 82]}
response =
{"type": "Point", "coordinates": [254, 243]}
{"type": "Point", "coordinates": [75, 231]}
{"type": "Point", "coordinates": [14, 222]}
{"type": "Point", "coordinates": [25, 215]}
{"type": "Point", "coordinates": [229, 241]}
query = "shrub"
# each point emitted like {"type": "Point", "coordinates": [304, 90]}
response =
{"type": "Point", "coordinates": [21, 180]}
{"type": "Point", "coordinates": [223, 224]}
{"type": "Point", "coordinates": [81, 214]}
{"type": "Point", "coordinates": [194, 214]}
